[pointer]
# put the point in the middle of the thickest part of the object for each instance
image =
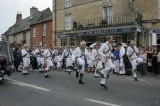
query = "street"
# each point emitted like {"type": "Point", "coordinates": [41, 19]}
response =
{"type": "Point", "coordinates": [63, 90]}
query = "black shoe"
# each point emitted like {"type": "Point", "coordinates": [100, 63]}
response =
{"type": "Point", "coordinates": [108, 76]}
{"type": "Point", "coordinates": [47, 76]}
{"type": "Point", "coordinates": [81, 82]}
{"type": "Point", "coordinates": [24, 74]}
{"type": "Point", "coordinates": [77, 74]}
{"type": "Point", "coordinates": [104, 86]}
{"type": "Point", "coordinates": [69, 72]}
{"type": "Point", "coordinates": [136, 79]}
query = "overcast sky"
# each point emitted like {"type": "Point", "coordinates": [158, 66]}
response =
{"type": "Point", "coordinates": [9, 9]}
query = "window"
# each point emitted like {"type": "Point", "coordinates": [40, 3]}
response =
{"type": "Point", "coordinates": [131, 5]}
{"type": "Point", "coordinates": [44, 29]}
{"type": "Point", "coordinates": [68, 22]}
{"type": "Point", "coordinates": [130, 38]}
{"type": "Point", "coordinates": [72, 41]}
{"type": "Point", "coordinates": [24, 36]}
{"type": "Point", "coordinates": [102, 39]}
{"type": "Point", "coordinates": [67, 3]}
{"type": "Point", "coordinates": [107, 14]}
{"type": "Point", "coordinates": [34, 32]}
{"type": "Point", "coordinates": [117, 39]}
{"type": "Point", "coordinates": [63, 42]}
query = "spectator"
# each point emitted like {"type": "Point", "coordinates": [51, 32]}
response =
{"type": "Point", "coordinates": [17, 57]}
{"type": "Point", "coordinates": [149, 59]}
{"type": "Point", "coordinates": [155, 63]}
{"type": "Point", "coordinates": [158, 60]}
{"type": "Point", "coordinates": [143, 55]}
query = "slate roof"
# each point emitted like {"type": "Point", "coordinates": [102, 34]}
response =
{"type": "Point", "coordinates": [25, 24]}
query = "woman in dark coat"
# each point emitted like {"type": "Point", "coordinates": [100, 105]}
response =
{"type": "Point", "coordinates": [17, 57]}
{"type": "Point", "coordinates": [154, 61]}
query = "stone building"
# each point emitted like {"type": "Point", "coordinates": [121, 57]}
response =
{"type": "Point", "coordinates": [93, 20]}
{"type": "Point", "coordinates": [150, 9]}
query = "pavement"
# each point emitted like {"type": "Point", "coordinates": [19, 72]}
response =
{"type": "Point", "coordinates": [63, 89]}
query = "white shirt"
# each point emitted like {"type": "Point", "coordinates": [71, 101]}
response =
{"type": "Point", "coordinates": [96, 55]}
{"type": "Point", "coordinates": [122, 51]}
{"type": "Point", "coordinates": [66, 53]}
{"type": "Point", "coordinates": [105, 47]}
{"type": "Point", "coordinates": [25, 53]}
{"type": "Point", "coordinates": [78, 53]}
{"type": "Point", "coordinates": [130, 52]}
{"type": "Point", "coordinates": [47, 53]}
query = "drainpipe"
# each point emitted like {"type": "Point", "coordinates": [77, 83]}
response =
{"type": "Point", "coordinates": [55, 4]}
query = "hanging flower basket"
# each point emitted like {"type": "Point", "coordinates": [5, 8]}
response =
{"type": "Point", "coordinates": [80, 27]}
{"type": "Point", "coordinates": [104, 23]}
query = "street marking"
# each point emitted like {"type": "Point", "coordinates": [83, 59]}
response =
{"type": "Point", "coordinates": [138, 79]}
{"type": "Point", "coordinates": [100, 102]}
{"type": "Point", "coordinates": [26, 85]}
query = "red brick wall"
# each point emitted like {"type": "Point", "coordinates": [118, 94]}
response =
{"type": "Point", "coordinates": [47, 39]}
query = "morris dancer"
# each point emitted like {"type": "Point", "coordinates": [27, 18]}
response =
{"type": "Point", "coordinates": [81, 55]}
{"type": "Point", "coordinates": [26, 59]}
{"type": "Point", "coordinates": [67, 54]}
{"type": "Point", "coordinates": [105, 52]}
{"type": "Point", "coordinates": [97, 60]}
{"type": "Point", "coordinates": [132, 53]}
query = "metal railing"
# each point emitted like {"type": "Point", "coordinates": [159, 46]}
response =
{"type": "Point", "coordinates": [121, 19]}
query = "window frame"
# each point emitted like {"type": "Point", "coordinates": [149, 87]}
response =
{"type": "Point", "coordinates": [44, 30]}
{"type": "Point", "coordinates": [68, 23]}
{"type": "Point", "coordinates": [67, 3]}
{"type": "Point", "coordinates": [34, 32]}
{"type": "Point", "coordinates": [64, 42]}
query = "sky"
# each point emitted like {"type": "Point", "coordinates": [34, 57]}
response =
{"type": "Point", "coordinates": [9, 9]}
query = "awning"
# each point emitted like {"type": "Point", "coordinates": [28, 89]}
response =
{"type": "Point", "coordinates": [63, 36]}
{"type": "Point", "coordinates": [157, 31]}
{"type": "Point", "coordinates": [109, 30]}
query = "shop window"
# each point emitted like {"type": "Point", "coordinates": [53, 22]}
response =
{"type": "Point", "coordinates": [117, 39]}
{"type": "Point", "coordinates": [63, 42]}
{"type": "Point", "coordinates": [72, 42]}
{"type": "Point", "coordinates": [101, 39]}
{"type": "Point", "coordinates": [130, 38]}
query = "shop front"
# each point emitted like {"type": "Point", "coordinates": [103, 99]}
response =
{"type": "Point", "coordinates": [154, 37]}
{"type": "Point", "coordinates": [66, 39]}
{"type": "Point", "coordinates": [120, 34]}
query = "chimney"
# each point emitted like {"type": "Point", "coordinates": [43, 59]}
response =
{"type": "Point", "coordinates": [19, 17]}
{"type": "Point", "coordinates": [33, 11]}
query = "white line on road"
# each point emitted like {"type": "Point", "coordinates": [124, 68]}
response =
{"type": "Point", "coordinates": [138, 79]}
{"type": "Point", "coordinates": [26, 85]}
{"type": "Point", "coordinates": [100, 102]}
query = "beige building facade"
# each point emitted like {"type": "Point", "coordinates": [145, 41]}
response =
{"type": "Point", "coordinates": [93, 20]}
{"type": "Point", "coordinates": [150, 9]}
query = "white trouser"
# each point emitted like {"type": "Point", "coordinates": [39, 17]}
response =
{"type": "Point", "coordinates": [26, 63]}
{"type": "Point", "coordinates": [59, 65]}
{"type": "Point", "coordinates": [49, 63]}
{"type": "Point", "coordinates": [122, 67]}
{"type": "Point", "coordinates": [81, 62]}
{"type": "Point", "coordinates": [108, 66]}
{"type": "Point", "coordinates": [90, 63]}
{"type": "Point", "coordinates": [116, 63]}
{"type": "Point", "coordinates": [69, 62]}
{"type": "Point", "coordinates": [134, 64]}
{"type": "Point", "coordinates": [98, 66]}
{"type": "Point", "coordinates": [40, 61]}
